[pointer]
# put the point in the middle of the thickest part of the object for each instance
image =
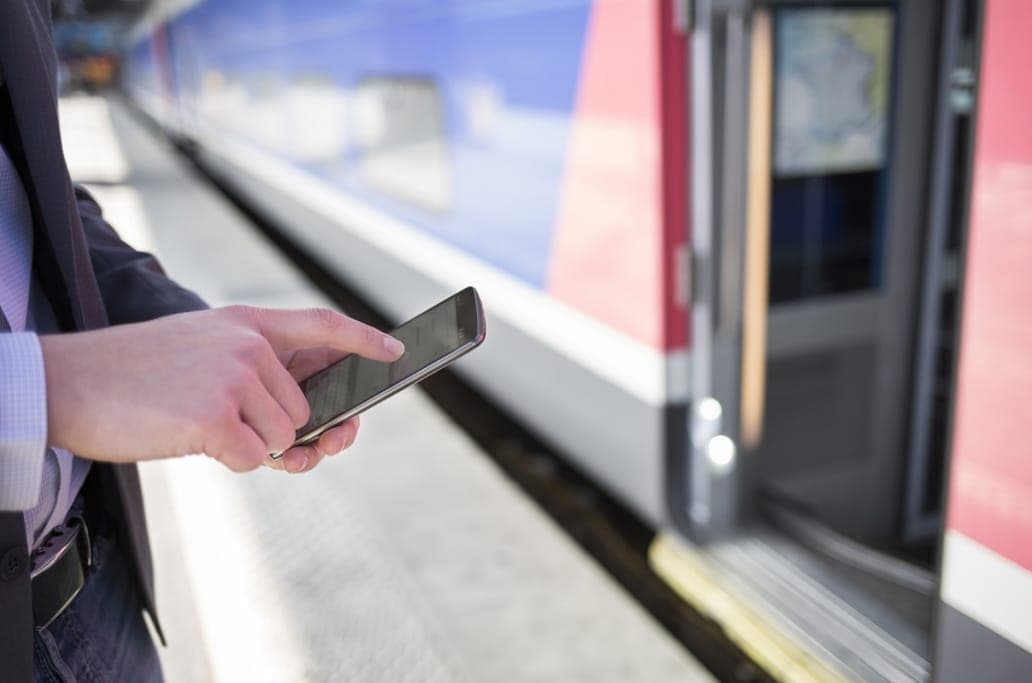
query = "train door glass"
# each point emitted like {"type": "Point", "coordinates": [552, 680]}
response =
{"type": "Point", "coordinates": [832, 78]}
{"type": "Point", "coordinates": [819, 216]}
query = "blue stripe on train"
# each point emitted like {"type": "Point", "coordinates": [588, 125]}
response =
{"type": "Point", "coordinates": [515, 64]}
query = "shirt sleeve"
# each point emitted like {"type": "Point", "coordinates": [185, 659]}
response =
{"type": "Point", "coordinates": [23, 420]}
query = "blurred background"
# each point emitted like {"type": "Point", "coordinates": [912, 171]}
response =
{"type": "Point", "coordinates": [757, 370]}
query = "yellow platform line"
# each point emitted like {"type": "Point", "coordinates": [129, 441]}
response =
{"type": "Point", "coordinates": [781, 655]}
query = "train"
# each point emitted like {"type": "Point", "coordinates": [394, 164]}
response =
{"type": "Point", "coordinates": [754, 267]}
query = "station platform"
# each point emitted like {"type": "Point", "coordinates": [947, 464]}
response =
{"type": "Point", "coordinates": [410, 557]}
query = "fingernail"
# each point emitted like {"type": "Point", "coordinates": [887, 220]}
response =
{"type": "Point", "coordinates": [393, 346]}
{"type": "Point", "coordinates": [302, 468]}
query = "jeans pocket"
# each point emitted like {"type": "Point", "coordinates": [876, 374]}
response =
{"type": "Point", "coordinates": [74, 649]}
{"type": "Point", "coordinates": [48, 666]}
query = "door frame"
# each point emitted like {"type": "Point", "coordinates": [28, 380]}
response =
{"type": "Point", "coordinates": [725, 62]}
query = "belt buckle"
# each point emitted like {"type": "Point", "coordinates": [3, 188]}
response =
{"type": "Point", "coordinates": [51, 557]}
{"type": "Point", "coordinates": [85, 542]}
{"type": "Point", "coordinates": [58, 542]}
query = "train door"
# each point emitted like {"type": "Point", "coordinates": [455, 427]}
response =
{"type": "Point", "coordinates": [814, 120]}
{"type": "Point", "coordinates": [983, 630]}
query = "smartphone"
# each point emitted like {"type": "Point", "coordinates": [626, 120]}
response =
{"type": "Point", "coordinates": [433, 339]}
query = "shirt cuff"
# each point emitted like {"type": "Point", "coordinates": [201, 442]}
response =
{"type": "Point", "coordinates": [23, 420]}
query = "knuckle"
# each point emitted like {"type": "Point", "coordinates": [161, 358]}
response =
{"type": "Point", "coordinates": [236, 464]}
{"type": "Point", "coordinates": [370, 336]}
{"type": "Point", "coordinates": [222, 413]}
{"type": "Point", "coordinates": [253, 461]}
{"type": "Point", "coordinates": [243, 463]}
{"type": "Point", "coordinates": [225, 455]}
{"type": "Point", "coordinates": [327, 319]}
{"type": "Point", "coordinates": [251, 350]}
{"type": "Point", "coordinates": [240, 376]}
{"type": "Point", "coordinates": [238, 311]}
{"type": "Point", "coordinates": [247, 452]}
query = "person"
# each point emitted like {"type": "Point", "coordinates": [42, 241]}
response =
{"type": "Point", "coordinates": [104, 361]}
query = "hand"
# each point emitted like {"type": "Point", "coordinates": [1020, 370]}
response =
{"type": "Point", "coordinates": [302, 364]}
{"type": "Point", "coordinates": [332, 441]}
{"type": "Point", "coordinates": [212, 382]}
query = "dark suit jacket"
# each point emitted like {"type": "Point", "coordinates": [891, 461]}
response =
{"type": "Point", "coordinates": [91, 278]}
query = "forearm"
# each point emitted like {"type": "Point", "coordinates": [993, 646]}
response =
{"type": "Point", "coordinates": [23, 420]}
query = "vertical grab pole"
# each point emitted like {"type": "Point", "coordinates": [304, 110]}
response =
{"type": "Point", "coordinates": [757, 232]}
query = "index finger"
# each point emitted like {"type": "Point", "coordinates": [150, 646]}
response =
{"type": "Point", "coordinates": [312, 327]}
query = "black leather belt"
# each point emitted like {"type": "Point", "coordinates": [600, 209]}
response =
{"type": "Point", "coordinates": [59, 567]}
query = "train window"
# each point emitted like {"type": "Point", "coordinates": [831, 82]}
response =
{"type": "Point", "coordinates": [400, 140]}
{"type": "Point", "coordinates": [832, 90]}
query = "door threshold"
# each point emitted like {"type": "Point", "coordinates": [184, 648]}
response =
{"type": "Point", "coordinates": [800, 615]}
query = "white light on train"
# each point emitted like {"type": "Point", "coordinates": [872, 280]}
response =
{"type": "Point", "coordinates": [710, 409]}
{"type": "Point", "coordinates": [721, 452]}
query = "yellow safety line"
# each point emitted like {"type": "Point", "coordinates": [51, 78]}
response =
{"type": "Point", "coordinates": [781, 655]}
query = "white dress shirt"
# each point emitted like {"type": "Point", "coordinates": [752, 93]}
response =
{"type": "Point", "coordinates": [40, 481]}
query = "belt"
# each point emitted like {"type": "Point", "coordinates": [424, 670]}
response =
{"type": "Point", "coordinates": [59, 567]}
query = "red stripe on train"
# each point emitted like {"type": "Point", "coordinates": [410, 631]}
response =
{"type": "Point", "coordinates": [621, 214]}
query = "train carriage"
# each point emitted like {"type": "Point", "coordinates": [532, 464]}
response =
{"type": "Point", "coordinates": [513, 145]}
{"type": "Point", "coordinates": [727, 254]}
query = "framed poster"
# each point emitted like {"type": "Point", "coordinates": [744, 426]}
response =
{"type": "Point", "coordinates": [832, 86]}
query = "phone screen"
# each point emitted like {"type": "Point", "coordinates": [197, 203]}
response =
{"type": "Point", "coordinates": [428, 338]}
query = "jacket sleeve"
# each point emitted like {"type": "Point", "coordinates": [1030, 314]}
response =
{"type": "Point", "coordinates": [132, 283]}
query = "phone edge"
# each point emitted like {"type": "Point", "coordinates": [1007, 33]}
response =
{"type": "Point", "coordinates": [412, 379]}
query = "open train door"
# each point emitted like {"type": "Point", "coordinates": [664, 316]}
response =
{"type": "Point", "coordinates": [810, 172]}
{"type": "Point", "coordinates": [983, 625]}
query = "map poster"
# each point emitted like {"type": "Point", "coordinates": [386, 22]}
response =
{"type": "Point", "coordinates": [832, 88]}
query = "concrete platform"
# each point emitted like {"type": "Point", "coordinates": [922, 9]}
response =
{"type": "Point", "coordinates": [409, 557]}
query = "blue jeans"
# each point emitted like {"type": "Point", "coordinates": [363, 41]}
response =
{"type": "Point", "coordinates": [101, 636]}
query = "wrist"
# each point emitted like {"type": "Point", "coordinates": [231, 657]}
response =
{"type": "Point", "coordinates": [62, 386]}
